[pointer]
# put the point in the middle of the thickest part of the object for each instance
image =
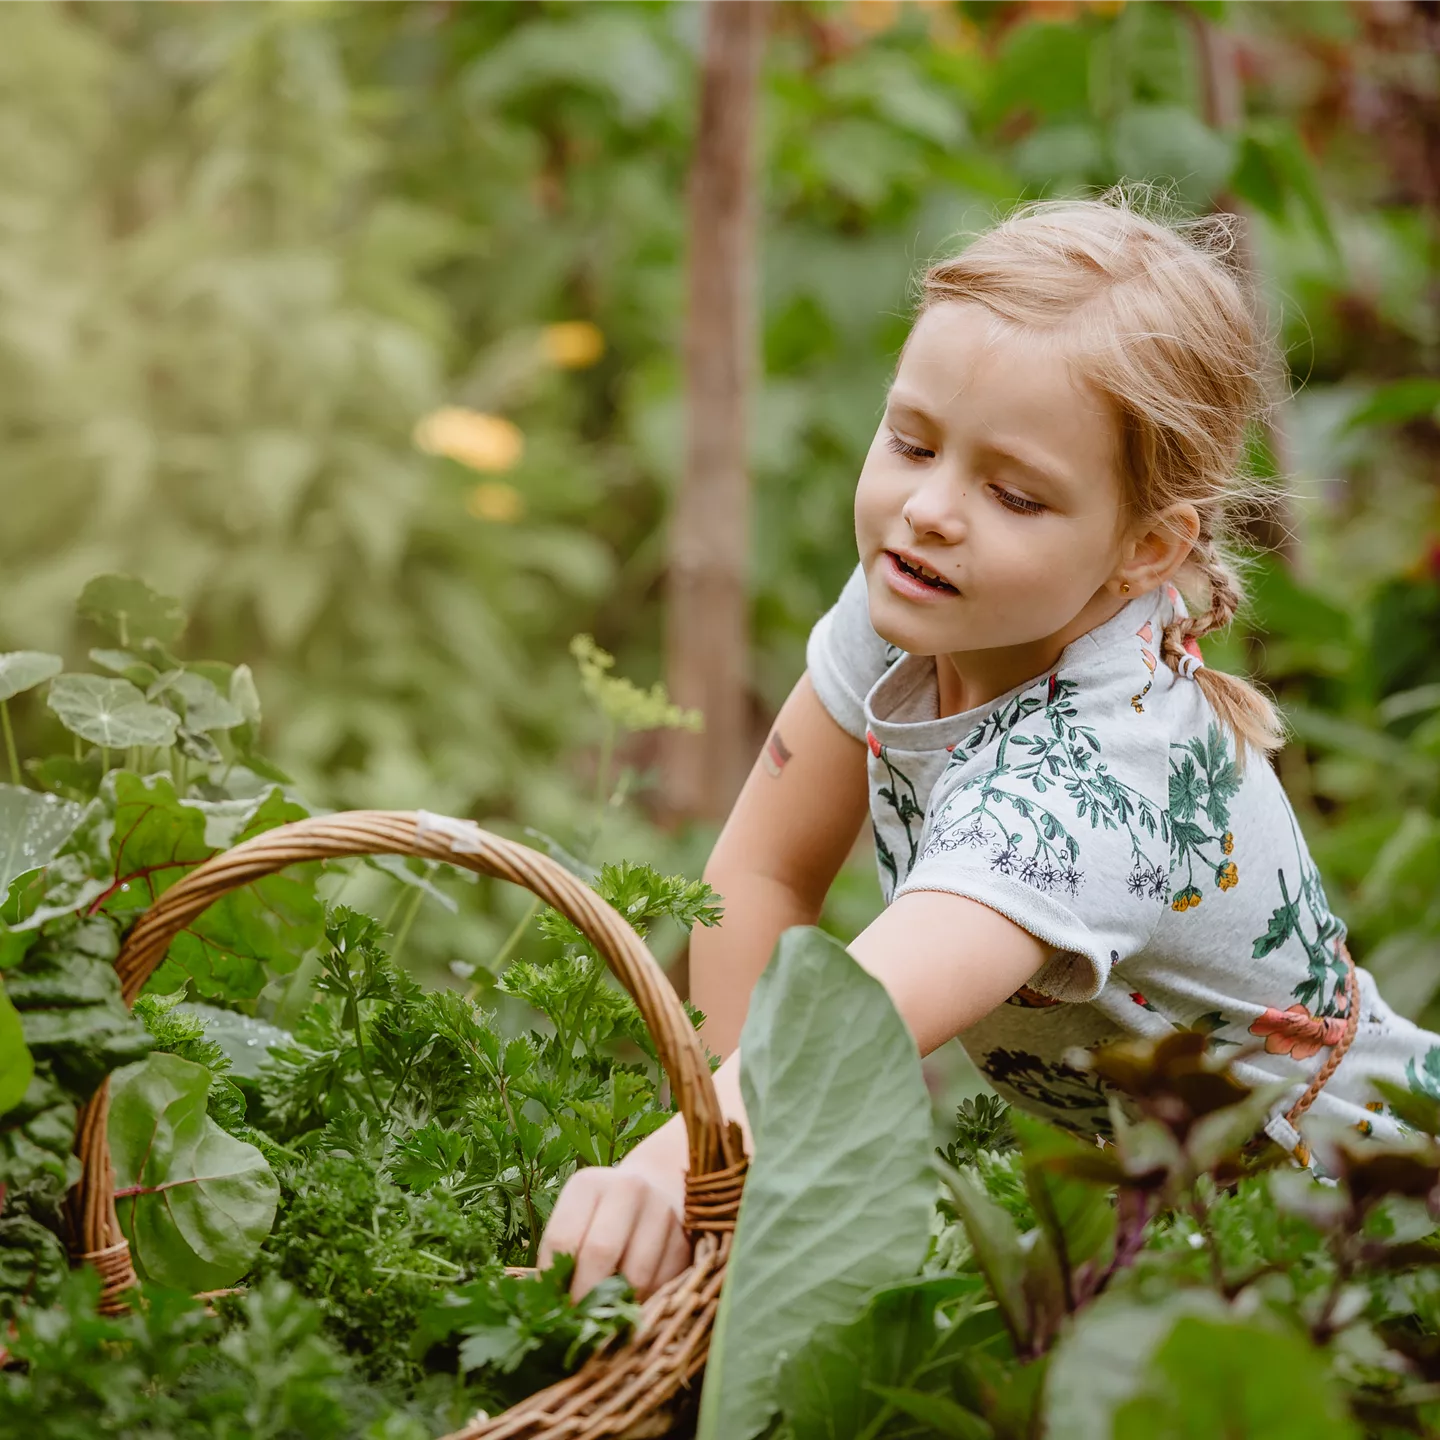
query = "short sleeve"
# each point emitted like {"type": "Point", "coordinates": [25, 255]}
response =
{"type": "Point", "coordinates": [845, 657]}
{"type": "Point", "coordinates": [1059, 826]}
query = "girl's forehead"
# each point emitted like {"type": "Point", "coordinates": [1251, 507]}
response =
{"type": "Point", "coordinates": [963, 363]}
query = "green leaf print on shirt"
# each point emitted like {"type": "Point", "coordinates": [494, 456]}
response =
{"type": "Point", "coordinates": [1308, 906]}
{"type": "Point", "coordinates": [1066, 755]}
{"type": "Point", "coordinates": [1202, 784]}
{"type": "Point", "coordinates": [1426, 1080]}
{"type": "Point", "coordinates": [900, 795]}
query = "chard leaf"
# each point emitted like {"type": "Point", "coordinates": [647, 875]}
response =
{"type": "Point", "coordinates": [1241, 1379]}
{"type": "Point", "coordinates": [1101, 1362]}
{"type": "Point", "coordinates": [33, 827]}
{"type": "Point", "coordinates": [937, 1412]}
{"type": "Point", "coordinates": [130, 610]}
{"type": "Point", "coordinates": [16, 1067]}
{"type": "Point", "coordinates": [194, 1202]}
{"type": "Point", "coordinates": [22, 670]}
{"type": "Point", "coordinates": [914, 1338]}
{"type": "Point", "coordinates": [112, 713]}
{"type": "Point", "coordinates": [262, 928]}
{"type": "Point", "coordinates": [839, 1194]}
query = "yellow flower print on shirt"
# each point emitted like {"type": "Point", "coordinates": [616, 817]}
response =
{"type": "Point", "coordinates": [1203, 781]}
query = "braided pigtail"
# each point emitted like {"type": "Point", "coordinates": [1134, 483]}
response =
{"type": "Point", "coordinates": [1244, 710]}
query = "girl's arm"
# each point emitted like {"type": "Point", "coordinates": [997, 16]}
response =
{"type": "Point", "coordinates": [946, 961]}
{"type": "Point", "coordinates": [788, 833]}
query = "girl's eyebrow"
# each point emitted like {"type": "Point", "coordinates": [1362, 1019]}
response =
{"type": "Point", "coordinates": [1053, 476]}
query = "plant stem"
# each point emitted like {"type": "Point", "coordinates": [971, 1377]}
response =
{"type": "Point", "coordinates": [10, 742]}
{"type": "Point", "coordinates": [408, 919]}
{"type": "Point", "coordinates": [513, 938]}
{"type": "Point", "coordinates": [104, 759]}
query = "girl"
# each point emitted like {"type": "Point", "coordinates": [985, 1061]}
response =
{"type": "Point", "coordinates": [1079, 835]}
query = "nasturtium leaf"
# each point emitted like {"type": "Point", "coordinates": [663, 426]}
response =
{"type": "Point", "coordinates": [246, 1041]}
{"type": "Point", "coordinates": [110, 712]}
{"type": "Point", "coordinates": [22, 670]}
{"type": "Point", "coordinates": [127, 666]}
{"type": "Point", "coordinates": [244, 696]}
{"type": "Point", "coordinates": [839, 1194]}
{"type": "Point", "coordinates": [247, 934]}
{"type": "Point", "coordinates": [194, 1202]}
{"type": "Point", "coordinates": [203, 706]}
{"type": "Point", "coordinates": [16, 1066]}
{"type": "Point", "coordinates": [130, 610]}
{"type": "Point", "coordinates": [33, 827]}
{"type": "Point", "coordinates": [1241, 1379]}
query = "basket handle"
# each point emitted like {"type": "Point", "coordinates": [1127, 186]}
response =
{"type": "Point", "coordinates": [717, 1156]}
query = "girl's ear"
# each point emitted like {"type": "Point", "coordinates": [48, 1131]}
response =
{"type": "Point", "coordinates": [1159, 547]}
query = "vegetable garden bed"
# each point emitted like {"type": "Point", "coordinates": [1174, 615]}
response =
{"type": "Point", "coordinates": [324, 1173]}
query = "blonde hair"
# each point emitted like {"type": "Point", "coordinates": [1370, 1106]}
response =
{"type": "Point", "coordinates": [1154, 317]}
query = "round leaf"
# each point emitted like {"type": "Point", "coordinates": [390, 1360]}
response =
{"type": "Point", "coordinates": [110, 712]}
{"type": "Point", "coordinates": [130, 610]}
{"type": "Point", "coordinates": [24, 669]}
{"type": "Point", "coordinates": [16, 1066]}
{"type": "Point", "coordinates": [33, 827]}
{"type": "Point", "coordinates": [194, 1202]}
{"type": "Point", "coordinates": [839, 1195]}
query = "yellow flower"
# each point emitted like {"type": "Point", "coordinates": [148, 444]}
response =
{"type": "Point", "coordinates": [497, 501]}
{"type": "Point", "coordinates": [572, 344]}
{"type": "Point", "coordinates": [873, 16]}
{"type": "Point", "coordinates": [1227, 877]}
{"type": "Point", "coordinates": [483, 442]}
{"type": "Point", "coordinates": [1187, 899]}
{"type": "Point", "coordinates": [1227, 842]}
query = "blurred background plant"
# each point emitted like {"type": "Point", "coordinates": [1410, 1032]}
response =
{"type": "Point", "coordinates": [356, 326]}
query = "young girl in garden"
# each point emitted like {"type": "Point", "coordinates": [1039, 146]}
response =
{"type": "Point", "coordinates": [1079, 835]}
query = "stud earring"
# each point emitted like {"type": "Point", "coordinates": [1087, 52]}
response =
{"type": "Point", "coordinates": [1124, 587]}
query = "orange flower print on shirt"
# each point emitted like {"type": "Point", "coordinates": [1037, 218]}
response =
{"type": "Point", "coordinates": [1296, 1032]}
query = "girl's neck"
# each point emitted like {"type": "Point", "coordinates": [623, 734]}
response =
{"type": "Point", "coordinates": [967, 679]}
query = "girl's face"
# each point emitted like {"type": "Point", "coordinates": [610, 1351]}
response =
{"type": "Point", "coordinates": [997, 471]}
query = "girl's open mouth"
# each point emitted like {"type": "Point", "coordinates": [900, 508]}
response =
{"type": "Point", "coordinates": [908, 580]}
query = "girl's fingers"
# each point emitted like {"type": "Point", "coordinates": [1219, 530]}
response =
{"type": "Point", "coordinates": [570, 1220]}
{"type": "Point", "coordinates": [677, 1257]}
{"type": "Point", "coordinates": [621, 1204]}
{"type": "Point", "coordinates": [650, 1243]}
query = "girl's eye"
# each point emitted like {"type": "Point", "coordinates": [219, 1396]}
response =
{"type": "Point", "coordinates": [909, 451]}
{"type": "Point", "coordinates": [1017, 503]}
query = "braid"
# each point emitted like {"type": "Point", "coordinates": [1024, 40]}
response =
{"type": "Point", "coordinates": [1225, 598]}
{"type": "Point", "coordinates": [1248, 714]}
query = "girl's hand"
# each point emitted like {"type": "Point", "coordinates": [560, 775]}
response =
{"type": "Point", "coordinates": [619, 1221]}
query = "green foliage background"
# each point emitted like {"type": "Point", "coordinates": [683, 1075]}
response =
{"type": "Point", "coordinates": [245, 248]}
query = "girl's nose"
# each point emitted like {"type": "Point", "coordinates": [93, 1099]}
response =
{"type": "Point", "coordinates": [935, 510]}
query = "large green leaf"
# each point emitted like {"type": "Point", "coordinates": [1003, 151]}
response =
{"type": "Point", "coordinates": [110, 712]}
{"type": "Point", "coordinates": [131, 611]}
{"type": "Point", "coordinates": [33, 827]}
{"type": "Point", "coordinates": [22, 670]}
{"type": "Point", "coordinates": [1249, 1381]}
{"type": "Point", "coordinates": [247, 934]}
{"type": "Point", "coordinates": [1100, 1363]}
{"type": "Point", "coordinates": [839, 1195]}
{"type": "Point", "coordinates": [194, 1202]}
{"type": "Point", "coordinates": [16, 1066]}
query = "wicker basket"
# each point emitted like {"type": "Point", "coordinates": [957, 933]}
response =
{"type": "Point", "coordinates": [632, 1388]}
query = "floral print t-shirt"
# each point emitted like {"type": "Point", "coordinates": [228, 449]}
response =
{"type": "Point", "coordinates": [1099, 806]}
